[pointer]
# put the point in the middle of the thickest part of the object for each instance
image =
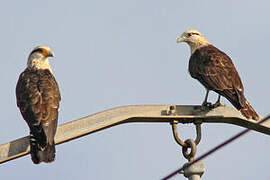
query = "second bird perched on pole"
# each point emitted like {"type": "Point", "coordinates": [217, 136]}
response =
{"type": "Point", "coordinates": [215, 71]}
{"type": "Point", "coordinates": [38, 98]}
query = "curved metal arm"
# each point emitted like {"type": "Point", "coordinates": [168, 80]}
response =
{"type": "Point", "coordinates": [126, 114]}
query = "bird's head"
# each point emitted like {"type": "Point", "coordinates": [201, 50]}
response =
{"type": "Point", "coordinates": [194, 39]}
{"type": "Point", "coordinates": [42, 52]}
{"type": "Point", "coordinates": [39, 58]}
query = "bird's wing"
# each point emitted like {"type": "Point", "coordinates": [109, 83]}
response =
{"type": "Point", "coordinates": [50, 104]}
{"type": "Point", "coordinates": [216, 71]}
{"type": "Point", "coordinates": [29, 97]}
{"type": "Point", "coordinates": [38, 99]}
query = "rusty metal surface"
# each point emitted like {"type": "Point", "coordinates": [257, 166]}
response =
{"type": "Point", "coordinates": [138, 113]}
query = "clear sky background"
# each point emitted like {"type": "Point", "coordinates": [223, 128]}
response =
{"type": "Point", "coordinates": [123, 52]}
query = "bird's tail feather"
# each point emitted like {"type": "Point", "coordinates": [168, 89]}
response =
{"type": "Point", "coordinates": [41, 154]}
{"type": "Point", "coordinates": [240, 102]}
{"type": "Point", "coordinates": [248, 111]}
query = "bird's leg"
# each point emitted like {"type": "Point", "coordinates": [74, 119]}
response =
{"type": "Point", "coordinates": [205, 103]}
{"type": "Point", "coordinates": [218, 102]}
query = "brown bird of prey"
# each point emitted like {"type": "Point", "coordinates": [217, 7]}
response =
{"type": "Point", "coordinates": [216, 71]}
{"type": "Point", "coordinates": [38, 99]}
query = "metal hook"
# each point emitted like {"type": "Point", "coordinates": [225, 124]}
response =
{"type": "Point", "coordinates": [179, 141]}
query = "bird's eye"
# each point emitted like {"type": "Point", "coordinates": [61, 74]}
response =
{"type": "Point", "coordinates": [189, 34]}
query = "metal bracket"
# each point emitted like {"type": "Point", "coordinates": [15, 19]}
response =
{"type": "Point", "coordinates": [179, 141]}
{"type": "Point", "coordinates": [189, 143]}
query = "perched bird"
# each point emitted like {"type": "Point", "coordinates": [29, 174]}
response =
{"type": "Point", "coordinates": [216, 71]}
{"type": "Point", "coordinates": [38, 99]}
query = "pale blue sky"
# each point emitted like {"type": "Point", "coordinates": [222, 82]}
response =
{"type": "Point", "coordinates": [114, 53]}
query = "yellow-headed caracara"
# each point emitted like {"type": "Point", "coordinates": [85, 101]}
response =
{"type": "Point", "coordinates": [38, 99]}
{"type": "Point", "coordinates": [216, 71]}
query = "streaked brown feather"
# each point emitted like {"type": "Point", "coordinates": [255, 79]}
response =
{"type": "Point", "coordinates": [38, 98]}
{"type": "Point", "coordinates": [216, 71]}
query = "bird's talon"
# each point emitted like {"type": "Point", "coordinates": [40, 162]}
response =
{"type": "Point", "coordinates": [216, 105]}
{"type": "Point", "coordinates": [206, 106]}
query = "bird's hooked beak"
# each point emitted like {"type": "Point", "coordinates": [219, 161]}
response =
{"type": "Point", "coordinates": [180, 39]}
{"type": "Point", "coordinates": [51, 54]}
